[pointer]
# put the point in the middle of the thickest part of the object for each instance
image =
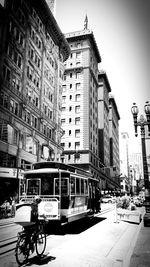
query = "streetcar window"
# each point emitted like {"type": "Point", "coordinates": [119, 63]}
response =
{"type": "Point", "coordinates": [86, 186]}
{"type": "Point", "coordinates": [73, 185]}
{"type": "Point", "coordinates": [47, 186]}
{"type": "Point", "coordinates": [33, 187]}
{"type": "Point", "coordinates": [64, 186]}
{"type": "Point", "coordinates": [56, 186]}
{"type": "Point", "coordinates": [77, 186]}
{"type": "Point", "coordinates": [82, 186]}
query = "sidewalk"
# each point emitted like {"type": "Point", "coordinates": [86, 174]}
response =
{"type": "Point", "coordinates": [109, 243]}
{"type": "Point", "coordinates": [106, 244]}
{"type": "Point", "coordinates": [141, 252]}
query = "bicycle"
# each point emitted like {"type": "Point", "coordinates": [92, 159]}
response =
{"type": "Point", "coordinates": [30, 239]}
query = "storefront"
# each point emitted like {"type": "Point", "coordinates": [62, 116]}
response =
{"type": "Point", "coordinates": [10, 179]}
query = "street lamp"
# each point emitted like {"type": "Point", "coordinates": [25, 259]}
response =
{"type": "Point", "coordinates": [142, 122]}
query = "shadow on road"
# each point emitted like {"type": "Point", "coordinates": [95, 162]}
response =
{"type": "Point", "coordinates": [45, 259]}
{"type": "Point", "coordinates": [75, 227]}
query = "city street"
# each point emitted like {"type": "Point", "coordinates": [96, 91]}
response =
{"type": "Point", "coordinates": [103, 241]}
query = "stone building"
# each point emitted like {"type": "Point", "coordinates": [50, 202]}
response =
{"type": "Point", "coordinates": [32, 54]}
{"type": "Point", "coordinates": [79, 118]}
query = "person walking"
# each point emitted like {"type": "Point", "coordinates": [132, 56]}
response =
{"type": "Point", "coordinates": [98, 200]}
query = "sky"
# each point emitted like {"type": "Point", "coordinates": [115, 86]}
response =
{"type": "Point", "coordinates": [122, 32]}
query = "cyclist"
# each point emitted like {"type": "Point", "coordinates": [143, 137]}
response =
{"type": "Point", "coordinates": [29, 229]}
{"type": "Point", "coordinates": [34, 209]}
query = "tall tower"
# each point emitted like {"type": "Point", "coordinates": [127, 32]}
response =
{"type": "Point", "coordinates": [80, 106]}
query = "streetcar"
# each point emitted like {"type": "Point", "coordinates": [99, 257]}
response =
{"type": "Point", "coordinates": [67, 192]}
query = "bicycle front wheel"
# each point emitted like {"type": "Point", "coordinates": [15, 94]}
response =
{"type": "Point", "coordinates": [22, 250]}
{"type": "Point", "coordinates": [40, 243]}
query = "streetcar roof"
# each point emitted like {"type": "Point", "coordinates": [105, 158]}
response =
{"type": "Point", "coordinates": [56, 167]}
{"type": "Point", "coordinates": [52, 170]}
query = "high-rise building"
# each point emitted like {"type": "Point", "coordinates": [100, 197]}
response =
{"type": "Point", "coordinates": [32, 54]}
{"type": "Point", "coordinates": [114, 118]}
{"type": "Point", "coordinates": [79, 99]}
{"type": "Point", "coordinates": [103, 118]}
{"type": "Point", "coordinates": [80, 104]}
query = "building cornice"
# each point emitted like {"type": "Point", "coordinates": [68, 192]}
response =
{"type": "Point", "coordinates": [103, 75]}
{"type": "Point", "coordinates": [85, 34]}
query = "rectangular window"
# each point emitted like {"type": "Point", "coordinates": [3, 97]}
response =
{"type": "Point", "coordinates": [78, 55]}
{"type": "Point", "coordinates": [78, 74]}
{"type": "Point", "coordinates": [77, 186]}
{"type": "Point", "coordinates": [77, 109]}
{"type": "Point", "coordinates": [77, 97]}
{"type": "Point", "coordinates": [77, 121]}
{"type": "Point", "coordinates": [77, 145]}
{"type": "Point", "coordinates": [77, 133]}
{"type": "Point", "coordinates": [64, 88]}
{"type": "Point", "coordinates": [63, 99]}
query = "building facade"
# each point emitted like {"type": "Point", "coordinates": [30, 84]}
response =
{"type": "Point", "coordinates": [103, 119]}
{"type": "Point", "coordinates": [32, 55]}
{"type": "Point", "coordinates": [114, 118]}
{"type": "Point", "coordinates": [80, 105]}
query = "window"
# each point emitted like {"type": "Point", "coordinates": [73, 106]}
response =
{"type": "Point", "coordinates": [77, 109]}
{"type": "Point", "coordinates": [63, 121]}
{"type": "Point", "coordinates": [34, 121]}
{"type": "Point", "coordinates": [77, 97]}
{"type": "Point", "coordinates": [63, 109]}
{"type": "Point", "coordinates": [77, 133]}
{"type": "Point", "coordinates": [63, 99]}
{"type": "Point", "coordinates": [70, 120]}
{"type": "Point", "coordinates": [72, 185]}
{"type": "Point", "coordinates": [64, 88]}
{"type": "Point", "coordinates": [78, 74]}
{"type": "Point", "coordinates": [77, 186]}
{"type": "Point", "coordinates": [77, 145]}
{"type": "Point", "coordinates": [14, 107]}
{"type": "Point", "coordinates": [16, 83]}
{"type": "Point", "coordinates": [31, 145]}
{"type": "Point", "coordinates": [70, 74]}
{"type": "Point", "coordinates": [78, 45]}
{"type": "Point", "coordinates": [70, 86]}
{"type": "Point", "coordinates": [77, 121]}
{"type": "Point", "coordinates": [78, 54]}
{"type": "Point", "coordinates": [62, 144]}
{"type": "Point", "coordinates": [6, 73]}
{"type": "Point", "coordinates": [82, 186]}
{"type": "Point", "coordinates": [69, 132]}
{"type": "Point", "coordinates": [70, 108]}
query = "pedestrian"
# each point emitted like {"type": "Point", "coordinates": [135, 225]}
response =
{"type": "Point", "coordinates": [13, 207]}
{"type": "Point", "coordinates": [98, 199]}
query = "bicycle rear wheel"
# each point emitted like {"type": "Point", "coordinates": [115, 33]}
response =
{"type": "Point", "coordinates": [40, 243]}
{"type": "Point", "coordinates": [22, 250]}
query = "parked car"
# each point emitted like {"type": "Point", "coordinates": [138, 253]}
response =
{"type": "Point", "coordinates": [108, 199]}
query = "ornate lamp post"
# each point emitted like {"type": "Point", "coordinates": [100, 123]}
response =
{"type": "Point", "coordinates": [142, 122]}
